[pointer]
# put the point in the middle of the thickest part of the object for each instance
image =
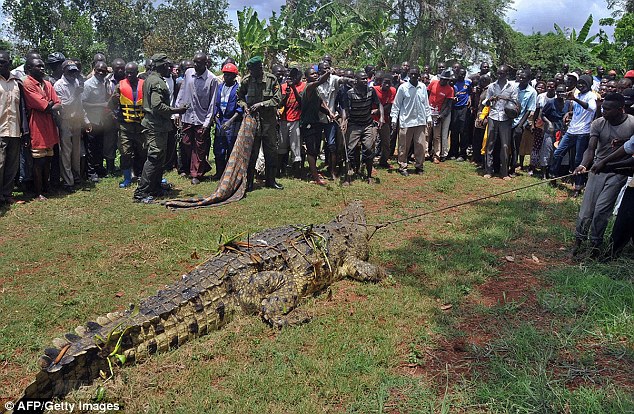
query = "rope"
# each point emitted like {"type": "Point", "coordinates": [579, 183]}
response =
{"type": "Point", "coordinates": [463, 203]}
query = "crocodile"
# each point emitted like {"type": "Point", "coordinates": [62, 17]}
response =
{"type": "Point", "coordinates": [267, 275]}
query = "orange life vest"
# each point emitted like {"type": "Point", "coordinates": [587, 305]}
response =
{"type": "Point", "coordinates": [130, 110]}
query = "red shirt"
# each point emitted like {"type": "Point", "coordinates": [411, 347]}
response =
{"type": "Point", "coordinates": [292, 109]}
{"type": "Point", "coordinates": [43, 129]}
{"type": "Point", "coordinates": [386, 98]}
{"type": "Point", "coordinates": [438, 93]}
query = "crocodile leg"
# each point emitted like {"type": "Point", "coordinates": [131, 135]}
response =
{"type": "Point", "coordinates": [360, 270]}
{"type": "Point", "coordinates": [274, 295]}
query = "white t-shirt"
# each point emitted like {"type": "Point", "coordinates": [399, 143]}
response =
{"type": "Point", "coordinates": [327, 91]}
{"type": "Point", "coordinates": [224, 97]}
{"type": "Point", "coordinates": [582, 118]}
{"type": "Point", "coordinates": [542, 98]}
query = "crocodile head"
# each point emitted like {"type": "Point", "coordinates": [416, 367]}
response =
{"type": "Point", "coordinates": [353, 218]}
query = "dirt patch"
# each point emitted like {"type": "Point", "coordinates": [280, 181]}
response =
{"type": "Point", "coordinates": [13, 380]}
{"type": "Point", "coordinates": [515, 284]}
{"type": "Point", "coordinates": [513, 293]}
{"type": "Point", "coordinates": [590, 364]}
{"type": "Point", "coordinates": [345, 293]}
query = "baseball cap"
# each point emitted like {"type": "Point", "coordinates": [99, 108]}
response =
{"type": "Point", "coordinates": [70, 65]}
{"type": "Point", "coordinates": [54, 58]}
{"type": "Point", "coordinates": [587, 79]}
{"type": "Point", "coordinates": [446, 74]}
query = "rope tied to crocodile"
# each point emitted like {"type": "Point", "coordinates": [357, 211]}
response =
{"type": "Point", "coordinates": [462, 203]}
{"type": "Point", "coordinates": [232, 185]}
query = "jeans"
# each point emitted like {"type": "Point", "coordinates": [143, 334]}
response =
{"type": "Point", "coordinates": [580, 142]}
{"type": "Point", "coordinates": [223, 144]}
{"type": "Point", "coordinates": [330, 132]}
{"type": "Point", "coordinates": [459, 138]}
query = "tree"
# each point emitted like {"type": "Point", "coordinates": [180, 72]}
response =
{"type": "Point", "coordinates": [180, 28]}
{"type": "Point", "coordinates": [549, 51]}
{"type": "Point", "coordinates": [360, 34]}
{"type": "Point", "coordinates": [582, 37]}
{"type": "Point", "coordinates": [6, 45]}
{"type": "Point", "coordinates": [48, 26]}
{"type": "Point", "coordinates": [619, 52]}
{"type": "Point", "coordinates": [120, 25]}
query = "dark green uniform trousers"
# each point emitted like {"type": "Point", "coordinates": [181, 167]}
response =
{"type": "Point", "coordinates": [267, 137]}
{"type": "Point", "coordinates": [150, 183]}
{"type": "Point", "coordinates": [131, 145]}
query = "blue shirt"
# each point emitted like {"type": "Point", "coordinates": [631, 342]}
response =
{"type": "Point", "coordinates": [629, 146]}
{"type": "Point", "coordinates": [225, 109]}
{"type": "Point", "coordinates": [462, 89]}
{"type": "Point", "coordinates": [411, 105]}
{"type": "Point", "coordinates": [200, 93]}
{"type": "Point", "coordinates": [528, 102]}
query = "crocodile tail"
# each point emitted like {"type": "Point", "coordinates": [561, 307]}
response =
{"type": "Point", "coordinates": [161, 322]}
{"type": "Point", "coordinates": [74, 360]}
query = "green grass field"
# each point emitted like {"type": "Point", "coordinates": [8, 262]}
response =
{"type": "Point", "coordinates": [482, 311]}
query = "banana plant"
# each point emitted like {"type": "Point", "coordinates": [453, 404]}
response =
{"type": "Point", "coordinates": [267, 38]}
{"type": "Point", "coordinates": [582, 36]}
{"type": "Point", "coordinates": [357, 36]}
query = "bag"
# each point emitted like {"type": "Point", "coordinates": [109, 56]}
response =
{"type": "Point", "coordinates": [511, 109]}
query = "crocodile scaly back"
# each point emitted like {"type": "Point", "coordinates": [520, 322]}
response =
{"type": "Point", "coordinates": [268, 274]}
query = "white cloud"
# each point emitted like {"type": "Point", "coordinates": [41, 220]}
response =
{"type": "Point", "coordinates": [527, 16]}
{"type": "Point", "coordinates": [264, 8]}
{"type": "Point", "coordinates": [530, 16]}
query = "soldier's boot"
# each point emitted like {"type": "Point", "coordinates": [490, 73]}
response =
{"type": "Point", "coordinates": [127, 179]}
{"type": "Point", "coordinates": [270, 182]}
{"type": "Point", "coordinates": [296, 169]}
{"type": "Point", "coordinates": [110, 168]}
{"type": "Point", "coordinates": [282, 161]}
{"type": "Point", "coordinates": [250, 178]}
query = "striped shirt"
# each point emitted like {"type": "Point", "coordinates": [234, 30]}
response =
{"type": "Point", "coordinates": [359, 106]}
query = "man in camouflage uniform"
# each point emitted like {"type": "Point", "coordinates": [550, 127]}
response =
{"type": "Point", "coordinates": [156, 123]}
{"type": "Point", "coordinates": [259, 94]}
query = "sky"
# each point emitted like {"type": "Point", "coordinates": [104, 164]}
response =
{"type": "Point", "coordinates": [531, 16]}
{"type": "Point", "coordinates": [527, 16]}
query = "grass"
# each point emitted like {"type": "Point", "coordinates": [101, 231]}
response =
{"type": "Point", "coordinates": [556, 347]}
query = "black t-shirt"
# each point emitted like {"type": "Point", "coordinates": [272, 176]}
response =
{"type": "Point", "coordinates": [311, 103]}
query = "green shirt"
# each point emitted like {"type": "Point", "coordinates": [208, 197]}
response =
{"type": "Point", "coordinates": [156, 99]}
{"type": "Point", "coordinates": [267, 91]}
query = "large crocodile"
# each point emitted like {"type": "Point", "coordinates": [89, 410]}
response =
{"type": "Point", "coordinates": [268, 274]}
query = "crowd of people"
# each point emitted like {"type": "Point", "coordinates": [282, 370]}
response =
{"type": "Point", "coordinates": [60, 128]}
